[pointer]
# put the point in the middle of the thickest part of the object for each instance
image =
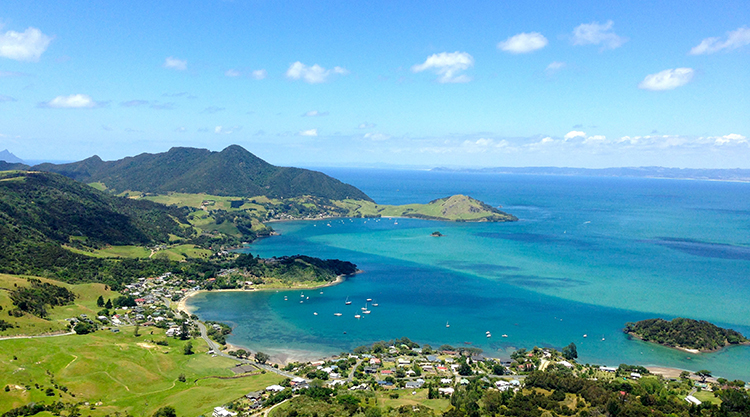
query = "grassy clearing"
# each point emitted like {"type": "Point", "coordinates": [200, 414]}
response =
{"type": "Point", "coordinates": [85, 303]}
{"type": "Point", "coordinates": [406, 398]}
{"type": "Point", "coordinates": [123, 372]}
{"type": "Point", "coordinates": [180, 252]}
{"type": "Point", "coordinates": [707, 396]}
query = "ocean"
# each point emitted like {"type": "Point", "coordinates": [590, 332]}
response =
{"type": "Point", "coordinates": [588, 255]}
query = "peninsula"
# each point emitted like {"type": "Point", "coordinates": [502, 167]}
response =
{"type": "Point", "coordinates": [686, 334]}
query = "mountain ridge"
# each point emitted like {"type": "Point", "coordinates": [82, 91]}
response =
{"type": "Point", "coordinates": [234, 171]}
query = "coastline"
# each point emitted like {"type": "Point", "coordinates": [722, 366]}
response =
{"type": "Point", "coordinates": [182, 304]}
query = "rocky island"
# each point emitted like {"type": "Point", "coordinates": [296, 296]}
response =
{"type": "Point", "coordinates": [686, 334]}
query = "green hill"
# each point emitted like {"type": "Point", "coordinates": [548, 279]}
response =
{"type": "Point", "coordinates": [232, 172]}
{"type": "Point", "coordinates": [685, 333]}
{"type": "Point", "coordinates": [458, 208]}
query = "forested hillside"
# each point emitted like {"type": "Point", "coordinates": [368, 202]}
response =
{"type": "Point", "coordinates": [232, 172]}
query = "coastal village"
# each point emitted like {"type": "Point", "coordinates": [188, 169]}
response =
{"type": "Point", "coordinates": [390, 370]}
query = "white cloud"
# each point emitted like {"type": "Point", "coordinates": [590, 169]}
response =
{"type": "Point", "coordinates": [730, 138]}
{"type": "Point", "coordinates": [4, 99]}
{"type": "Point", "coordinates": [366, 125]}
{"type": "Point", "coordinates": [735, 39]}
{"type": "Point", "coordinates": [73, 101]}
{"type": "Point", "coordinates": [315, 113]}
{"type": "Point", "coordinates": [221, 130]}
{"type": "Point", "coordinates": [314, 74]}
{"type": "Point", "coordinates": [310, 132]}
{"type": "Point", "coordinates": [377, 136]}
{"type": "Point", "coordinates": [259, 74]}
{"type": "Point", "coordinates": [180, 129]}
{"type": "Point", "coordinates": [667, 79]}
{"type": "Point", "coordinates": [447, 65]}
{"type": "Point", "coordinates": [232, 73]}
{"type": "Point", "coordinates": [595, 139]}
{"type": "Point", "coordinates": [554, 67]}
{"type": "Point", "coordinates": [176, 64]}
{"type": "Point", "coordinates": [523, 43]}
{"type": "Point", "coordinates": [574, 134]}
{"type": "Point", "coordinates": [25, 46]}
{"type": "Point", "coordinates": [597, 34]}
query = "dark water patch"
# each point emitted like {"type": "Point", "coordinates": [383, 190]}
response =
{"type": "Point", "coordinates": [705, 249]}
{"type": "Point", "coordinates": [536, 281]}
{"type": "Point", "coordinates": [479, 268]}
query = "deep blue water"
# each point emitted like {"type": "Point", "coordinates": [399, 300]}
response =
{"type": "Point", "coordinates": [587, 256]}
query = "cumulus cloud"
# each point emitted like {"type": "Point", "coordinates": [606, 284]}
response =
{"type": "Point", "coordinates": [732, 138]}
{"type": "Point", "coordinates": [310, 132]}
{"type": "Point", "coordinates": [735, 39]}
{"type": "Point", "coordinates": [28, 45]}
{"type": "Point", "coordinates": [595, 33]}
{"type": "Point", "coordinates": [5, 99]}
{"type": "Point", "coordinates": [315, 113]}
{"type": "Point", "coordinates": [259, 74]}
{"type": "Point", "coordinates": [221, 130]}
{"type": "Point", "coordinates": [554, 67]}
{"type": "Point", "coordinates": [314, 74]}
{"type": "Point", "coordinates": [73, 101]}
{"type": "Point", "coordinates": [180, 129]}
{"type": "Point", "coordinates": [523, 43]}
{"type": "Point", "coordinates": [377, 136]}
{"type": "Point", "coordinates": [366, 125]}
{"type": "Point", "coordinates": [232, 73]}
{"type": "Point", "coordinates": [176, 64]}
{"type": "Point", "coordinates": [667, 79]}
{"type": "Point", "coordinates": [447, 65]}
{"type": "Point", "coordinates": [574, 134]}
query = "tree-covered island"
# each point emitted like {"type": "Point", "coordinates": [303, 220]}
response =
{"type": "Point", "coordinates": [686, 334]}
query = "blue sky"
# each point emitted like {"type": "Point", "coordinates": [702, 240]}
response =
{"type": "Point", "coordinates": [512, 83]}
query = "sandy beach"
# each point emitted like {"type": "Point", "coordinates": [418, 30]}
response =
{"type": "Point", "coordinates": [182, 304]}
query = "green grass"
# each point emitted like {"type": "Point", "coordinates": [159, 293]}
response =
{"type": "Point", "coordinates": [707, 396]}
{"type": "Point", "coordinates": [406, 398]}
{"type": "Point", "coordinates": [180, 252]}
{"type": "Point", "coordinates": [98, 185]}
{"type": "Point", "coordinates": [125, 373]}
{"type": "Point", "coordinates": [85, 303]}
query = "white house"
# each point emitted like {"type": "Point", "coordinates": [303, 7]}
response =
{"type": "Point", "coordinates": [223, 412]}
{"type": "Point", "coordinates": [693, 400]}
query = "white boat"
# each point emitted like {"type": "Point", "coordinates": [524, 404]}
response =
{"type": "Point", "coordinates": [301, 301]}
{"type": "Point", "coordinates": [285, 298]}
{"type": "Point", "coordinates": [505, 335]}
{"type": "Point", "coordinates": [302, 295]}
{"type": "Point", "coordinates": [347, 302]}
{"type": "Point", "coordinates": [366, 311]}
{"type": "Point", "coordinates": [315, 313]}
{"type": "Point", "coordinates": [374, 304]}
{"type": "Point", "coordinates": [489, 335]}
{"type": "Point", "coordinates": [447, 325]}
{"type": "Point", "coordinates": [369, 300]}
{"type": "Point", "coordinates": [337, 314]}
{"type": "Point", "coordinates": [357, 316]}
{"type": "Point", "coordinates": [585, 335]}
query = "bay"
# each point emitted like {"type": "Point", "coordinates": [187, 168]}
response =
{"type": "Point", "coordinates": [588, 255]}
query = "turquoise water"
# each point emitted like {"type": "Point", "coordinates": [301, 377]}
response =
{"type": "Point", "coordinates": [588, 255]}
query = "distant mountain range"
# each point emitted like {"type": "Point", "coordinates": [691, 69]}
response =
{"type": "Point", "coordinates": [232, 172]}
{"type": "Point", "coordinates": [638, 172]}
{"type": "Point", "coordinates": [8, 157]}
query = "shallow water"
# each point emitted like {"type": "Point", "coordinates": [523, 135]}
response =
{"type": "Point", "coordinates": [588, 255]}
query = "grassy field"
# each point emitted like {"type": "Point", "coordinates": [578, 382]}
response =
{"type": "Point", "coordinates": [457, 207]}
{"type": "Point", "coordinates": [123, 372]}
{"type": "Point", "coordinates": [180, 252]}
{"type": "Point", "coordinates": [406, 398]}
{"type": "Point", "coordinates": [31, 325]}
{"type": "Point", "coordinates": [707, 396]}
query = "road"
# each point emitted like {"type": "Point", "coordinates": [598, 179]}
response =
{"type": "Point", "coordinates": [217, 351]}
{"type": "Point", "coordinates": [37, 336]}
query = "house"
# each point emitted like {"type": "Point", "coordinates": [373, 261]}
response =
{"type": "Point", "coordinates": [274, 388]}
{"type": "Point", "coordinates": [447, 381]}
{"type": "Point", "coordinates": [502, 385]}
{"type": "Point", "coordinates": [254, 395]}
{"type": "Point", "coordinates": [297, 380]}
{"type": "Point", "coordinates": [464, 381]}
{"type": "Point", "coordinates": [607, 369]}
{"type": "Point", "coordinates": [371, 370]}
{"type": "Point", "coordinates": [446, 391]}
{"type": "Point", "coordinates": [414, 385]}
{"type": "Point", "coordinates": [374, 361]}
{"type": "Point", "coordinates": [566, 364]}
{"type": "Point", "coordinates": [403, 362]}
{"type": "Point", "coordinates": [223, 412]}
{"type": "Point", "coordinates": [635, 375]}
{"type": "Point", "coordinates": [386, 372]}
{"type": "Point", "coordinates": [432, 358]}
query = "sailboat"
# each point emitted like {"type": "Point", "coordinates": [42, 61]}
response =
{"type": "Point", "coordinates": [347, 301]}
{"type": "Point", "coordinates": [447, 325]}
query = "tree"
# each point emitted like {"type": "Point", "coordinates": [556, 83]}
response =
{"type": "Point", "coordinates": [464, 369]}
{"type": "Point", "coordinates": [136, 332]}
{"type": "Point", "coordinates": [261, 357]}
{"type": "Point", "coordinates": [570, 352]}
{"type": "Point", "coordinates": [108, 305]}
{"type": "Point", "coordinates": [167, 411]}
{"type": "Point", "coordinates": [100, 302]}
{"type": "Point", "coordinates": [703, 373]}
{"type": "Point", "coordinates": [83, 328]}
{"type": "Point", "coordinates": [684, 375]}
{"type": "Point", "coordinates": [189, 348]}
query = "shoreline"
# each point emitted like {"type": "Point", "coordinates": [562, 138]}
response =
{"type": "Point", "coordinates": [182, 304]}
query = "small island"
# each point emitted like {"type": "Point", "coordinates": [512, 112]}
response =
{"type": "Point", "coordinates": [685, 334]}
{"type": "Point", "coordinates": [436, 234]}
